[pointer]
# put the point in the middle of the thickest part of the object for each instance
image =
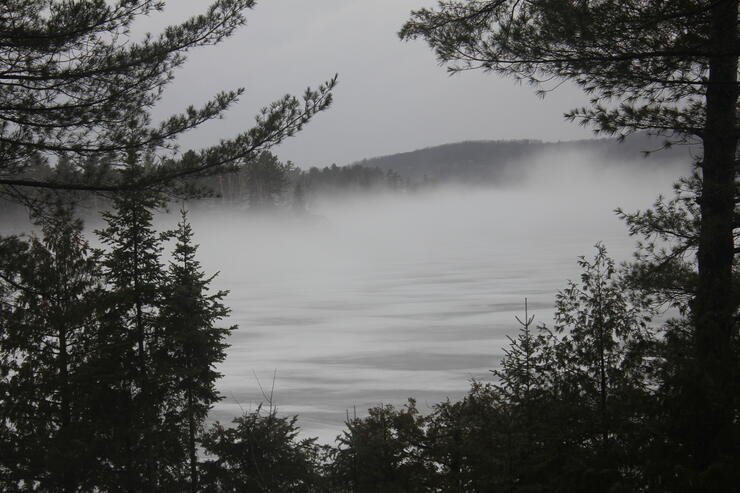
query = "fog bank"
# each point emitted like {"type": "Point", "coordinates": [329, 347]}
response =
{"type": "Point", "coordinates": [380, 298]}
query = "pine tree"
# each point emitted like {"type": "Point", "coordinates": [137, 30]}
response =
{"type": "Point", "coordinates": [664, 264]}
{"type": "Point", "coordinates": [665, 268]}
{"type": "Point", "coordinates": [194, 345]}
{"type": "Point", "coordinates": [669, 67]}
{"type": "Point", "coordinates": [72, 73]}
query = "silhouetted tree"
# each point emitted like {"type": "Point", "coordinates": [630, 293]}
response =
{"type": "Point", "coordinates": [673, 68]}
{"type": "Point", "coordinates": [668, 236]}
{"type": "Point", "coordinates": [260, 453]}
{"type": "Point", "coordinates": [135, 275]}
{"type": "Point", "coordinates": [526, 378]}
{"type": "Point", "coordinates": [468, 443]}
{"type": "Point", "coordinates": [604, 359]}
{"type": "Point", "coordinates": [665, 268]}
{"type": "Point", "coordinates": [570, 408]}
{"type": "Point", "coordinates": [194, 345]}
{"type": "Point", "coordinates": [72, 75]}
{"type": "Point", "coordinates": [51, 287]}
{"type": "Point", "coordinates": [106, 358]}
{"type": "Point", "coordinates": [382, 452]}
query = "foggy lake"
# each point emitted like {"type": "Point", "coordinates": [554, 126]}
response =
{"type": "Point", "coordinates": [380, 298]}
{"type": "Point", "coordinates": [289, 246]}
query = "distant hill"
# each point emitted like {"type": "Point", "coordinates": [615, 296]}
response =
{"type": "Point", "coordinates": [507, 160]}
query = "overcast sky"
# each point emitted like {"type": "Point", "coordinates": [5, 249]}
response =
{"type": "Point", "coordinates": [392, 95]}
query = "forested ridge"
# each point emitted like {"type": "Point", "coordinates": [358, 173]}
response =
{"type": "Point", "coordinates": [504, 162]}
{"type": "Point", "coordinates": [108, 354]}
{"type": "Point", "coordinates": [266, 183]}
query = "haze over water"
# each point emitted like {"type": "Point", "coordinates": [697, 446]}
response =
{"type": "Point", "coordinates": [380, 298]}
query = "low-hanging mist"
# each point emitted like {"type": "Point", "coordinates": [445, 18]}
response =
{"type": "Point", "coordinates": [382, 297]}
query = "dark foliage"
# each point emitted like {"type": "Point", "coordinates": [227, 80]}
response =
{"type": "Point", "coordinates": [73, 79]}
{"type": "Point", "coordinates": [107, 358]}
{"type": "Point", "coordinates": [382, 451]}
{"type": "Point", "coordinates": [51, 289]}
{"type": "Point", "coordinates": [194, 345]}
{"type": "Point", "coordinates": [668, 67]}
{"type": "Point", "coordinates": [260, 453]}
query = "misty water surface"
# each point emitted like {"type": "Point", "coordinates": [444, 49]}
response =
{"type": "Point", "coordinates": [387, 297]}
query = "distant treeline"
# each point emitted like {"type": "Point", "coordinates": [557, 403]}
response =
{"type": "Point", "coordinates": [268, 183]}
{"type": "Point", "coordinates": [263, 183]}
{"type": "Point", "coordinates": [504, 161]}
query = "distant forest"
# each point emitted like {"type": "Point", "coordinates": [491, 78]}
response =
{"type": "Point", "coordinates": [266, 183]}
{"type": "Point", "coordinates": [261, 184]}
{"type": "Point", "coordinates": [503, 161]}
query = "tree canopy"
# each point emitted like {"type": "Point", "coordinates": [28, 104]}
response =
{"type": "Point", "coordinates": [652, 57]}
{"type": "Point", "coordinates": [667, 66]}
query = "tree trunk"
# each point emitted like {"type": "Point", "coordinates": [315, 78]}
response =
{"type": "Point", "coordinates": [146, 389]}
{"type": "Point", "coordinates": [68, 476]}
{"type": "Point", "coordinates": [191, 441]}
{"type": "Point", "coordinates": [715, 304]}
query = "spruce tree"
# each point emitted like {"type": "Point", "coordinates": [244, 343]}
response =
{"type": "Point", "coordinates": [134, 276]}
{"type": "Point", "coordinates": [52, 288]}
{"type": "Point", "coordinates": [260, 453]}
{"type": "Point", "coordinates": [382, 452]}
{"type": "Point", "coordinates": [194, 346]}
{"type": "Point", "coordinates": [528, 406]}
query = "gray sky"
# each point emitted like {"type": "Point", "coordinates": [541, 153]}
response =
{"type": "Point", "coordinates": [392, 96]}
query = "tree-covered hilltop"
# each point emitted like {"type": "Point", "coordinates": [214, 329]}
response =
{"type": "Point", "coordinates": [264, 183]}
{"type": "Point", "coordinates": [261, 184]}
{"type": "Point", "coordinates": [507, 161]}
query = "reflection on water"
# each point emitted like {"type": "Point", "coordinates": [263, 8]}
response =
{"type": "Point", "coordinates": [396, 297]}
